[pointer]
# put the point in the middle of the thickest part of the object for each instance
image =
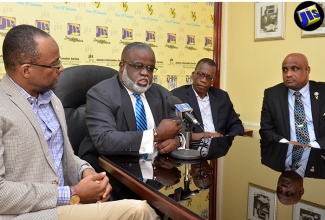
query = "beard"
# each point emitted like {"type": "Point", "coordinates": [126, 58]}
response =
{"type": "Point", "coordinates": [133, 86]}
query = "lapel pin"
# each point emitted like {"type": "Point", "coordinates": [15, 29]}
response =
{"type": "Point", "coordinates": [57, 108]}
{"type": "Point", "coordinates": [312, 169]}
{"type": "Point", "coordinates": [316, 95]}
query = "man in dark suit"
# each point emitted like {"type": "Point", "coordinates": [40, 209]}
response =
{"type": "Point", "coordinates": [211, 106]}
{"type": "Point", "coordinates": [111, 107]}
{"type": "Point", "coordinates": [290, 183]}
{"type": "Point", "coordinates": [278, 122]}
{"type": "Point", "coordinates": [274, 155]}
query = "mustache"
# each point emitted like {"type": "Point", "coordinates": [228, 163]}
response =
{"type": "Point", "coordinates": [143, 77]}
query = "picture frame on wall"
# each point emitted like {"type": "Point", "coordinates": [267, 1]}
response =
{"type": "Point", "coordinates": [269, 21]}
{"type": "Point", "coordinates": [319, 32]}
{"type": "Point", "coordinates": [308, 210]}
{"type": "Point", "coordinates": [262, 203]}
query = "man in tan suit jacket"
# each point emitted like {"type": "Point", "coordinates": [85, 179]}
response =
{"type": "Point", "coordinates": [39, 173]}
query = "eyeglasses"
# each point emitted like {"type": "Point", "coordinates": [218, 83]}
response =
{"type": "Point", "coordinates": [202, 76]}
{"type": "Point", "coordinates": [46, 66]}
{"type": "Point", "coordinates": [140, 66]}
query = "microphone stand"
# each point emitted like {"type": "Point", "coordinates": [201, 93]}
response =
{"type": "Point", "coordinates": [187, 153]}
{"type": "Point", "coordinates": [188, 135]}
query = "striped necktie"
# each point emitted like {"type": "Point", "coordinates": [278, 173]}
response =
{"type": "Point", "coordinates": [140, 117]}
{"type": "Point", "coordinates": [301, 130]}
{"type": "Point", "coordinates": [140, 114]}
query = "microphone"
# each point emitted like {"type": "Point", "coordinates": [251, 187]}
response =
{"type": "Point", "coordinates": [182, 109]}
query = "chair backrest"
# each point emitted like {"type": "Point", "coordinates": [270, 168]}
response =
{"type": "Point", "coordinates": [71, 89]}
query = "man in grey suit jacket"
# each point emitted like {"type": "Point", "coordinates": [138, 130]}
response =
{"type": "Point", "coordinates": [211, 106]}
{"type": "Point", "coordinates": [278, 121]}
{"type": "Point", "coordinates": [110, 111]}
{"type": "Point", "coordinates": [39, 173]}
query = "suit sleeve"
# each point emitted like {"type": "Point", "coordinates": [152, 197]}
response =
{"type": "Point", "coordinates": [268, 119]}
{"type": "Point", "coordinates": [234, 125]}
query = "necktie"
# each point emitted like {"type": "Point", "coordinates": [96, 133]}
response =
{"type": "Point", "coordinates": [301, 130]}
{"type": "Point", "coordinates": [140, 117]}
{"type": "Point", "coordinates": [140, 114]}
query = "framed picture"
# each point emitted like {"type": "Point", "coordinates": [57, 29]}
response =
{"type": "Point", "coordinates": [307, 210]}
{"type": "Point", "coordinates": [319, 32]}
{"type": "Point", "coordinates": [269, 21]}
{"type": "Point", "coordinates": [261, 203]}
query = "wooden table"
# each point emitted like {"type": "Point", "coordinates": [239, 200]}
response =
{"type": "Point", "coordinates": [156, 199]}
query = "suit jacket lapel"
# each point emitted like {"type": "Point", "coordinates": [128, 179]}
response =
{"type": "Point", "coordinates": [21, 102]}
{"type": "Point", "coordinates": [214, 109]}
{"type": "Point", "coordinates": [314, 105]}
{"type": "Point", "coordinates": [154, 103]}
{"type": "Point", "coordinates": [283, 96]}
{"type": "Point", "coordinates": [127, 107]}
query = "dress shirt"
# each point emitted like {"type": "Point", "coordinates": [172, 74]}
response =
{"type": "Point", "coordinates": [305, 97]}
{"type": "Point", "coordinates": [206, 114]}
{"type": "Point", "coordinates": [147, 142]}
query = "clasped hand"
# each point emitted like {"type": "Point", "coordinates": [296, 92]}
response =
{"type": "Point", "coordinates": [94, 187]}
{"type": "Point", "coordinates": [166, 138]}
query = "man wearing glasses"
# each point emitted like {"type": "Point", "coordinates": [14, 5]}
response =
{"type": "Point", "coordinates": [112, 113]}
{"type": "Point", "coordinates": [211, 106]}
{"type": "Point", "coordinates": [40, 177]}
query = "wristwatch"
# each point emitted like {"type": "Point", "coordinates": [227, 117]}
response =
{"type": "Point", "coordinates": [180, 140]}
{"type": "Point", "coordinates": [74, 198]}
{"type": "Point", "coordinates": [154, 133]}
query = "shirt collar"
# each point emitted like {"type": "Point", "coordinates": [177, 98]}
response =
{"type": "Point", "coordinates": [43, 98]}
{"type": "Point", "coordinates": [304, 91]}
{"type": "Point", "coordinates": [206, 97]}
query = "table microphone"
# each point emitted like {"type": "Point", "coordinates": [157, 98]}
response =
{"type": "Point", "coordinates": [183, 110]}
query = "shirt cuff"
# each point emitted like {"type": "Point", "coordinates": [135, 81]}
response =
{"type": "Point", "coordinates": [314, 144]}
{"type": "Point", "coordinates": [146, 143]}
{"type": "Point", "coordinates": [64, 195]}
{"type": "Point", "coordinates": [283, 140]}
{"type": "Point", "coordinates": [146, 169]}
{"type": "Point", "coordinates": [82, 168]}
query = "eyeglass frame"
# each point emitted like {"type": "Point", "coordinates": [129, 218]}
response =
{"type": "Point", "coordinates": [58, 66]}
{"type": "Point", "coordinates": [202, 76]}
{"type": "Point", "coordinates": [137, 67]}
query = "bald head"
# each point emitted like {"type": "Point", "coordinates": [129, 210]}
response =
{"type": "Point", "coordinates": [290, 188]}
{"type": "Point", "coordinates": [298, 56]}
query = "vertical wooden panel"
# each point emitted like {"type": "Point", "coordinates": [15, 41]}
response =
{"type": "Point", "coordinates": [217, 40]}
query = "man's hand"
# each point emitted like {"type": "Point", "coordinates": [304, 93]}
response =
{"type": "Point", "coordinates": [168, 145]}
{"type": "Point", "coordinates": [298, 144]}
{"type": "Point", "coordinates": [167, 176]}
{"type": "Point", "coordinates": [93, 187]}
{"type": "Point", "coordinates": [200, 136]}
{"type": "Point", "coordinates": [167, 129]}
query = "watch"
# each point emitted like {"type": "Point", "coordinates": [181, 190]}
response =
{"type": "Point", "coordinates": [74, 198]}
{"type": "Point", "coordinates": [154, 133]}
{"type": "Point", "coordinates": [180, 140]}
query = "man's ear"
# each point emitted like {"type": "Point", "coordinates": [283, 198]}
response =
{"type": "Point", "coordinates": [24, 71]}
{"type": "Point", "coordinates": [121, 65]}
{"type": "Point", "coordinates": [308, 69]}
{"type": "Point", "coordinates": [302, 190]}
